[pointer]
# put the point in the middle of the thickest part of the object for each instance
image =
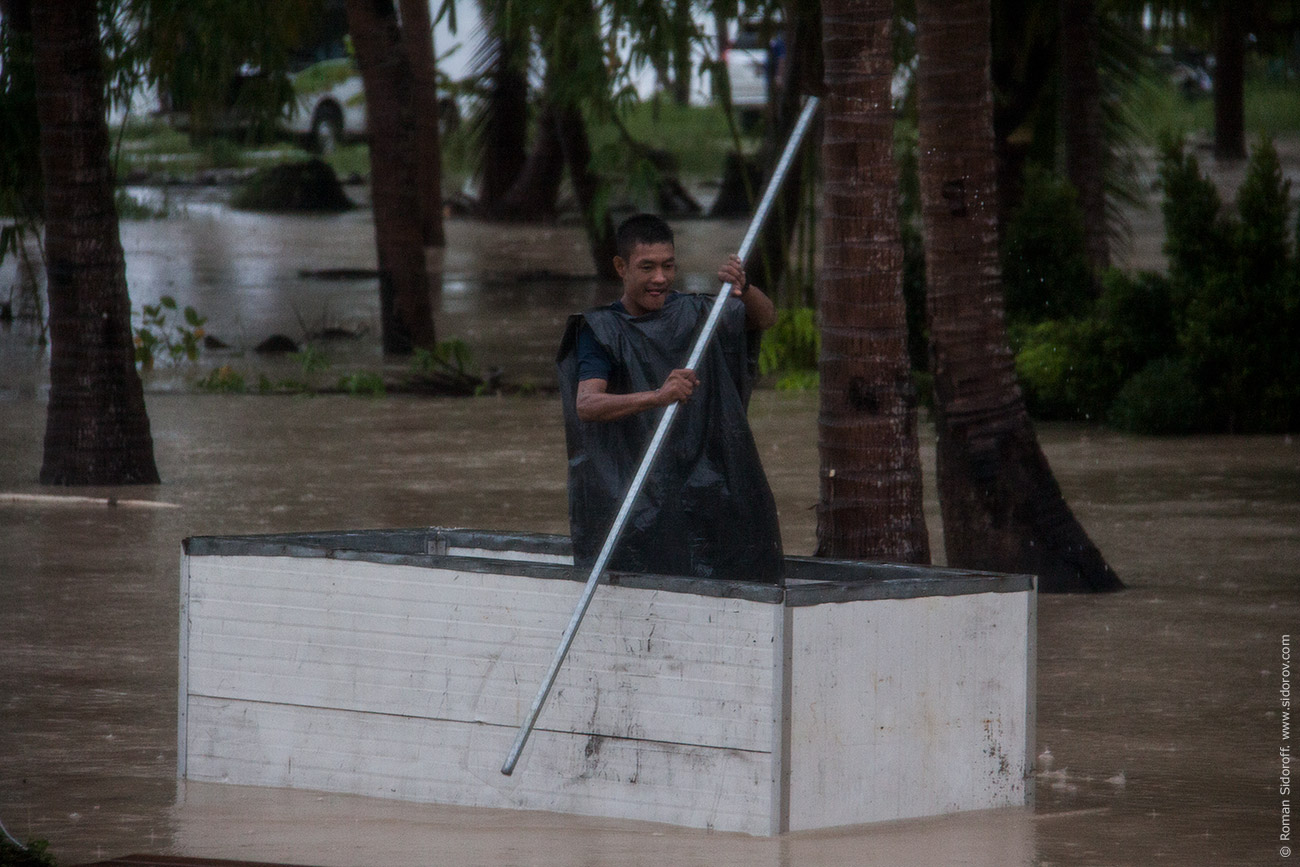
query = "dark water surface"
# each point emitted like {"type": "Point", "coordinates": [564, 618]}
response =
{"type": "Point", "coordinates": [1158, 708]}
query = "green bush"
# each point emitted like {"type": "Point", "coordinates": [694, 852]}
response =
{"type": "Point", "coordinates": [1162, 398]}
{"type": "Point", "coordinates": [1074, 368]}
{"type": "Point", "coordinates": [1063, 369]}
{"type": "Point", "coordinates": [1207, 348]}
{"type": "Point", "coordinates": [1198, 240]}
{"type": "Point", "coordinates": [1045, 269]}
{"type": "Point", "coordinates": [1235, 289]}
{"type": "Point", "coordinates": [223, 380]}
{"type": "Point", "coordinates": [363, 384]}
{"type": "Point", "coordinates": [1264, 202]}
{"type": "Point", "coordinates": [792, 344]}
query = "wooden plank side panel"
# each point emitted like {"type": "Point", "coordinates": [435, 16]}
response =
{"type": "Point", "coordinates": [473, 647]}
{"type": "Point", "coordinates": [440, 761]}
{"type": "Point", "coordinates": [905, 708]}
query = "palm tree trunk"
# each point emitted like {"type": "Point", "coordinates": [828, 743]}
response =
{"type": "Point", "coordinates": [1230, 83]}
{"type": "Point", "coordinates": [571, 130]}
{"type": "Point", "coordinates": [870, 504]}
{"type": "Point", "coordinates": [417, 36]}
{"type": "Point", "coordinates": [1081, 122]}
{"type": "Point", "coordinates": [406, 312]}
{"type": "Point", "coordinates": [534, 192]}
{"type": "Point", "coordinates": [801, 75]}
{"type": "Point", "coordinates": [97, 430]}
{"type": "Point", "coordinates": [1002, 507]}
{"type": "Point", "coordinates": [504, 126]}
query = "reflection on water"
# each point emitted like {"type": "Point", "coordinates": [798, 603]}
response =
{"type": "Point", "coordinates": [1158, 711]}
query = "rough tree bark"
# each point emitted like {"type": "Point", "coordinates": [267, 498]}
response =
{"type": "Point", "coordinates": [406, 312]}
{"type": "Point", "coordinates": [870, 505]}
{"type": "Point", "coordinates": [504, 130]}
{"type": "Point", "coordinates": [571, 130]}
{"type": "Point", "coordinates": [417, 36]}
{"type": "Point", "coordinates": [97, 430]}
{"type": "Point", "coordinates": [534, 192]}
{"type": "Point", "coordinates": [1002, 507]}
{"type": "Point", "coordinates": [1081, 124]}
{"type": "Point", "coordinates": [1230, 83]}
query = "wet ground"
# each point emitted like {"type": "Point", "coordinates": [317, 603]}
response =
{"type": "Point", "coordinates": [1158, 711]}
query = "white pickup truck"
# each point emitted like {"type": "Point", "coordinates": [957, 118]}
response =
{"type": "Point", "coordinates": [329, 104]}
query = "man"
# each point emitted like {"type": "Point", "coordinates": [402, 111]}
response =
{"type": "Point", "coordinates": [705, 509]}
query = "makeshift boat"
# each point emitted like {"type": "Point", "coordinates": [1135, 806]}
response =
{"type": "Point", "coordinates": [400, 663]}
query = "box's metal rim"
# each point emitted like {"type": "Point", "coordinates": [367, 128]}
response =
{"type": "Point", "coordinates": [808, 580]}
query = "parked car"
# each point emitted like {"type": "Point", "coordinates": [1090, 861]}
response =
{"type": "Point", "coordinates": [750, 57]}
{"type": "Point", "coordinates": [329, 104]}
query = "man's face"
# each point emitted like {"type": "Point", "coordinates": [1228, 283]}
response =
{"type": "Point", "coordinates": [647, 276]}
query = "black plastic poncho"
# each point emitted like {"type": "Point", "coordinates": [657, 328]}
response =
{"type": "Point", "coordinates": [706, 509]}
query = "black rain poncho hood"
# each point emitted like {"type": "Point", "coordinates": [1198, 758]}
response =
{"type": "Point", "coordinates": [706, 509]}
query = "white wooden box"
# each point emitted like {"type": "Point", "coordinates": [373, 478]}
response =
{"type": "Point", "coordinates": [400, 664]}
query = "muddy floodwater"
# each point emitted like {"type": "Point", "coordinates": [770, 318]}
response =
{"type": "Point", "coordinates": [1159, 709]}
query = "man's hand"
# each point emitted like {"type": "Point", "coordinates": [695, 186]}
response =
{"type": "Point", "coordinates": [678, 387]}
{"type": "Point", "coordinates": [595, 403]}
{"type": "Point", "coordinates": [760, 312]}
{"type": "Point", "coordinates": [733, 272]}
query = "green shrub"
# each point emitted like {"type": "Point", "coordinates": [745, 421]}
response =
{"type": "Point", "coordinates": [363, 384]}
{"type": "Point", "coordinates": [1264, 202]}
{"type": "Point", "coordinates": [1045, 270]}
{"type": "Point", "coordinates": [1162, 398]}
{"type": "Point", "coordinates": [798, 380]}
{"type": "Point", "coordinates": [792, 344]}
{"type": "Point", "coordinates": [222, 379]}
{"type": "Point", "coordinates": [1235, 290]}
{"type": "Point", "coordinates": [1198, 240]}
{"type": "Point", "coordinates": [1063, 370]}
{"type": "Point", "coordinates": [1137, 320]}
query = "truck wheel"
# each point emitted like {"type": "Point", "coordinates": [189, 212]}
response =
{"type": "Point", "coordinates": [326, 129]}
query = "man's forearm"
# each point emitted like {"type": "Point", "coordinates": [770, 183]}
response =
{"type": "Point", "coordinates": [603, 406]}
{"type": "Point", "coordinates": [760, 312]}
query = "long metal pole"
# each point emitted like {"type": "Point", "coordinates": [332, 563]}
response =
{"type": "Point", "coordinates": [665, 421]}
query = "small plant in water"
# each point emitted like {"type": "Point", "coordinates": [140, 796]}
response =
{"type": "Point", "coordinates": [311, 359]}
{"type": "Point", "coordinates": [363, 384]}
{"type": "Point", "coordinates": [447, 355]}
{"type": "Point", "coordinates": [224, 379]}
{"type": "Point", "coordinates": [161, 337]}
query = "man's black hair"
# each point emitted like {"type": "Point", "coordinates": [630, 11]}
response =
{"type": "Point", "coordinates": [641, 229]}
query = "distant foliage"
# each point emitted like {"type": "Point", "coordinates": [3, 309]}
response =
{"type": "Point", "coordinates": [790, 349]}
{"type": "Point", "coordinates": [1045, 270]}
{"type": "Point", "coordinates": [1209, 348]}
{"type": "Point", "coordinates": [1162, 398]}
{"type": "Point", "coordinates": [222, 380]}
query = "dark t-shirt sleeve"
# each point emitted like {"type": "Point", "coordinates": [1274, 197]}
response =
{"type": "Point", "coordinates": [593, 361]}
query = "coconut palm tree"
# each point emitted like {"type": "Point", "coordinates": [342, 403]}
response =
{"type": "Point", "coordinates": [417, 37]}
{"type": "Point", "coordinates": [870, 504]}
{"type": "Point", "coordinates": [1082, 127]}
{"type": "Point", "coordinates": [406, 312]}
{"type": "Point", "coordinates": [97, 430]}
{"type": "Point", "coordinates": [1002, 507]}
